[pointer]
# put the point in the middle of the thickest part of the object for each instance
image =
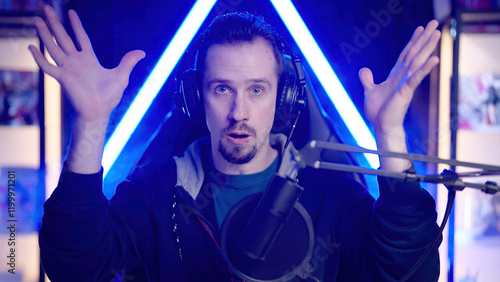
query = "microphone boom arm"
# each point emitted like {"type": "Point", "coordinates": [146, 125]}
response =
{"type": "Point", "coordinates": [306, 158]}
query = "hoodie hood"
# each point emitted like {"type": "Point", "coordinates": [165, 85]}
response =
{"type": "Point", "coordinates": [190, 173]}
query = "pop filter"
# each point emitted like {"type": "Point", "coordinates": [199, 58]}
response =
{"type": "Point", "coordinates": [288, 253]}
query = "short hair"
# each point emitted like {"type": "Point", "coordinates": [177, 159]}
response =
{"type": "Point", "coordinates": [238, 28]}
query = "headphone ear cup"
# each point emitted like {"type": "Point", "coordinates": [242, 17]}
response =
{"type": "Point", "coordinates": [189, 97]}
{"type": "Point", "coordinates": [286, 100]}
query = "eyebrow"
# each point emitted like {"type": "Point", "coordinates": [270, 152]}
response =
{"type": "Point", "coordinates": [215, 80]}
{"type": "Point", "coordinates": [227, 81]}
{"type": "Point", "coordinates": [261, 80]}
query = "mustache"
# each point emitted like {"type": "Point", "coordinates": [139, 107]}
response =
{"type": "Point", "coordinates": [239, 127]}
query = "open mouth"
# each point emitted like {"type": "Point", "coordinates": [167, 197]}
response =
{"type": "Point", "coordinates": [234, 135]}
{"type": "Point", "coordinates": [238, 137]}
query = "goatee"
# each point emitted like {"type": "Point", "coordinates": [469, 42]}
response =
{"type": "Point", "coordinates": [238, 154]}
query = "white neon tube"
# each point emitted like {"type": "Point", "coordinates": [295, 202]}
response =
{"type": "Point", "coordinates": [327, 77]}
{"type": "Point", "coordinates": [155, 81]}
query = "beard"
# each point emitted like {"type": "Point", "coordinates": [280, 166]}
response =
{"type": "Point", "coordinates": [237, 154]}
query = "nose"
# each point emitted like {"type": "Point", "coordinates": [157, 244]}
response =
{"type": "Point", "coordinates": [239, 108]}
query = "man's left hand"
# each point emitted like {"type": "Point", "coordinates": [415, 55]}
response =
{"type": "Point", "coordinates": [386, 103]}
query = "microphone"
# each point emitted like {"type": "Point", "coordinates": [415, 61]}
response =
{"type": "Point", "coordinates": [258, 234]}
{"type": "Point", "coordinates": [269, 217]}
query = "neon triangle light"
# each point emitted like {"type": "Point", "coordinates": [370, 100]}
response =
{"type": "Point", "coordinates": [327, 77]}
{"type": "Point", "coordinates": [180, 42]}
{"type": "Point", "coordinates": [155, 81]}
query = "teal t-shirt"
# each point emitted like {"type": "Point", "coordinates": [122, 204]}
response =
{"type": "Point", "coordinates": [230, 189]}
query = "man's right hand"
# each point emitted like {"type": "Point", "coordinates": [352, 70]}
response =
{"type": "Point", "coordinates": [93, 90]}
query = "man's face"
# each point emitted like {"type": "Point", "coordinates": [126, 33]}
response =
{"type": "Point", "coordinates": [239, 94]}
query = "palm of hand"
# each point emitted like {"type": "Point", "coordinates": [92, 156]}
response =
{"type": "Point", "coordinates": [383, 101]}
{"type": "Point", "coordinates": [386, 103]}
{"type": "Point", "coordinates": [93, 90]}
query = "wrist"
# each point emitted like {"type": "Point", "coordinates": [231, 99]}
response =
{"type": "Point", "coordinates": [91, 119]}
{"type": "Point", "coordinates": [393, 140]}
{"type": "Point", "coordinates": [87, 143]}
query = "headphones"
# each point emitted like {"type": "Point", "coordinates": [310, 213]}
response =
{"type": "Point", "coordinates": [290, 98]}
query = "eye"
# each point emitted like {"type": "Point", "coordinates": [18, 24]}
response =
{"type": "Point", "coordinates": [222, 89]}
{"type": "Point", "coordinates": [257, 90]}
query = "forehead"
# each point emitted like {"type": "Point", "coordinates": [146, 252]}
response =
{"type": "Point", "coordinates": [246, 59]}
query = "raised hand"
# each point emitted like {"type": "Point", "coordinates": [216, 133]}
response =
{"type": "Point", "coordinates": [386, 103]}
{"type": "Point", "coordinates": [93, 90]}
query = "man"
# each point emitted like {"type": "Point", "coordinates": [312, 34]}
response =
{"type": "Point", "coordinates": [167, 215]}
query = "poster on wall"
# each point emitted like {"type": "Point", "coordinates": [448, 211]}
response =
{"type": "Point", "coordinates": [18, 98]}
{"type": "Point", "coordinates": [22, 6]}
{"type": "Point", "coordinates": [479, 102]}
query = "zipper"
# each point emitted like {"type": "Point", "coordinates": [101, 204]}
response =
{"type": "Point", "coordinates": [207, 226]}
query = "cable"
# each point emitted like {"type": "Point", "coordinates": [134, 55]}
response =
{"type": "Point", "coordinates": [289, 138]}
{"type": "Point", "coordinates": [411, 272]}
